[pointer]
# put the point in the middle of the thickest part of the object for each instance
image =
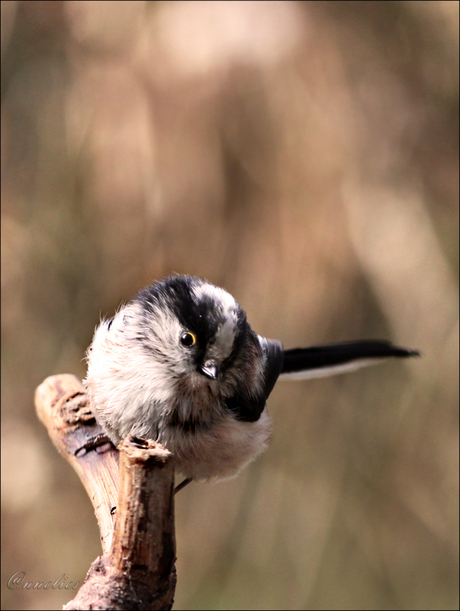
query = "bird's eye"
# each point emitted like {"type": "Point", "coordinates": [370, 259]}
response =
{"type": "Point", "coordinates": [187, 339]}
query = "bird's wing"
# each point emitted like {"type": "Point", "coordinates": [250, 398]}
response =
{"type": "Point", "coordinates": [274, 358]}
{"type": "Point", "coordinates": [248, 406]}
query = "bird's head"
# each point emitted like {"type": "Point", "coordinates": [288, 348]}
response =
{"type": "Point", "coordinates": [197, 328]}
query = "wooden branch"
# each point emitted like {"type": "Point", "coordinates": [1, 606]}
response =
{"type": "Point", "coordinates": [136, 518]}
{"type": "Point", "coordinates": [62, 405]}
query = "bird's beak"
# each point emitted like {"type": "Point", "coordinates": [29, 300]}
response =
{"type": "Point", "coordinates": [209, 370]}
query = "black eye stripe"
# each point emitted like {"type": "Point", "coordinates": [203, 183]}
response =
{"type": "Point", "coordinates": [109, 324]}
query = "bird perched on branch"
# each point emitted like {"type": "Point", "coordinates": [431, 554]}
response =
{"type": "Point", "coordinates": [181, 365]}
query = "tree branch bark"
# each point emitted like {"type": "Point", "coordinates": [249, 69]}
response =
{"type": "Point", "coordinates": [133, 499]}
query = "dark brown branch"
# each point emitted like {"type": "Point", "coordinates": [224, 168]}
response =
{"type": "Point", "coordinates": [136, 522]}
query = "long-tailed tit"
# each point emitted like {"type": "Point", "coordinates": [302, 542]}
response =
{"type": "Point", "coordinates": [181, 365]}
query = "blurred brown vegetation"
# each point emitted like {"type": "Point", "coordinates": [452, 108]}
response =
{"type": "Point", "coordinates": [304, 155]}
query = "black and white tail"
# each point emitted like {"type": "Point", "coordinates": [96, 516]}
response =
{"type": "Point", "coordinates": [319, 361]}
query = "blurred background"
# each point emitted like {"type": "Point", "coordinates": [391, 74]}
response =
{"type": "Point", "coordinates": [303, 155]}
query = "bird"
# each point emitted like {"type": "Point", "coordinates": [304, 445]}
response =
{"type": "Point", "coordinates": [181, 365]}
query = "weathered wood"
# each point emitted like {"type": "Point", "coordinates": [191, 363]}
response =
{"type": "Point", "coordinates": [136, 516]}
{"type": "Point", "coordinates": [62, 405]}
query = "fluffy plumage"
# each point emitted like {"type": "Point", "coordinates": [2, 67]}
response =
{"type": "Point", "coordinates": [180, 364]}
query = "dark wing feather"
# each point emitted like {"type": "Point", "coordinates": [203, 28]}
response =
{"type": "Point", "coordinates": [249, 407]}
{"type": "Point", "coordinates": [274, 362]}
